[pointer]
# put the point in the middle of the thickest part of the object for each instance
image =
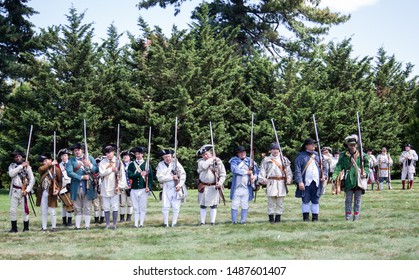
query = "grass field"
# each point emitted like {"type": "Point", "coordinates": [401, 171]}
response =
{"type": "Point", "coordinates": [388, 230]}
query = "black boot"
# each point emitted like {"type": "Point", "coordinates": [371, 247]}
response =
{"type": "Point", "coordinates": [128, 218]}
{"type": "Point", "coordinates": [101, 220]}
{"type": "Point", "coordinates": [69, 222]}
{"type": "Point", "coordinates": [25, 226]}
{"type": "Point", "coordinates": [306, 216]}
{"type": "Point", "coordinates": [315, 217]}
{"type": "Point", "coordinates": [14, 226]}
{"type": "Point", "coordinates": [122, 218]}
{"type": "Point", "coordinates": [64, 221]}
{"type": "Point", "coordinates": [271, 218]}
{"type": "Point", "coordinates": [277, 218]}
{"type": "Point", "coordinates": [96, 220]}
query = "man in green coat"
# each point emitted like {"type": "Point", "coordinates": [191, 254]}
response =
{"type": "Point", "coordinates": [350, 162]}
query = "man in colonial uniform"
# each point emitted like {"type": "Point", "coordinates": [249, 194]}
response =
{"type": "Point", "coordinates": [350, 162]}
{"type": "Point", "coordinates": [172, 178]}
{"type": "Point", "coordinates": [125, 201]}
{"type": "Point", "coordinates": [21, 185]}
{"type": "Point", "coordinates": [408, 159]}
{"type": "Point", "coordinates": [309, 180]}
{"type": "Point", "coordinates": [371, 174]}
{"type": "Point", "coordinates": [384, 162]}
{"type": "Point", "coordinates": [209, 186]}
{"type": "Point", "coordinates": [64, 154]}
{"type": "Point", "coordinates": [137, 172]}
{"type": "Point", "coordinates": [113, 181]}
{"type": "Point", "coordinates": [243, 184]}
{"type": "Point", "coordinates": [81, 169]}
{"type": "Point", "coordinates": [49, 187]}
{"type": "Point", "coordinates": [276, 175]}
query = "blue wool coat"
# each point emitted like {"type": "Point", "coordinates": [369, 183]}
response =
{"type": "Point", "coordinates": [76, 178]}
{"type": "Point", "coordinates": [300, 163]}
{"type": "Point", "coordinates": [238, 172]}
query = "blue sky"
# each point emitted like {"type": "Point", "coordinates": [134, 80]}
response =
{"type": "Point", "coordinates": [374, 23]}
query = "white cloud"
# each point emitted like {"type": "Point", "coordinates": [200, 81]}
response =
{"type": "Point", "coordinates": [346, 6]}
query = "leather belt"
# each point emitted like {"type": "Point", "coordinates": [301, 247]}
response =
{"type": "Point", "coordinates": [17, 187]}
{"type": "Point", "coordinates": [277, 178]}
{"type": "Point", "coordinates": [208, 184]}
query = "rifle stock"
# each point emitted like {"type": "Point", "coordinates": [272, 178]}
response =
{"type": "Point", "coordinates": [214, 164]}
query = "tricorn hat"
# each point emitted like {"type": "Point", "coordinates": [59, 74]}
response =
{"type": "Point", "coordinates": [307, 141]}
{"type": "Point", "coordinates": [408, 145]}
{"type": "Point", "coordinates": [43, 157]}
{"type": "Point", "coordinates": [63, 152]}
{"type": "Point", "coordinates": [327, 149]}
{"type": "Point", "coordinates": [165, 152]}
{"type": "Point", "coordinates": [203, 149]}
{"type": "Point", "coordinates": [126, 152]}
{"type": "Point", "coordinates": [77, 146]}
{"type": "Point", "coordinates": [138, 150]}
{"type": "Point", "coordinates": [99, 159]}
{"type": "Point", "coordinates": [17, 152]}
{"type": "Point", "coordinates": [351, 139]}
{"type": "Point", "coordinates": [109, 148]}
{"type": "Point", "coordinates": [239, 149]}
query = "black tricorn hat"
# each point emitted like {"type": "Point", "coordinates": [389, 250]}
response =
{"type": "Point", "coordinates": [17, 152]}
{"type": "Point", "coordinates": [63, 152]}
{"type": "Point", "coordinates": [138, 150]}
{"type": "Point", "coordinates": [408, 145]}
{"type": "Point", "coordinates": [109, 148]}
{"type": "Point", "coordinates": [77, 146]}
{"type": "Point", "coordinates": [203, 149]}
{"type": "Point", "coordinates": [165, 152]}
{"type": "Point", "coordinates": [239, 149]}
{"type": "Point", "coordinates": [126, 152]}
{"type": "Point", "coordinates": [307, 141]}
{"type": "Point", "coordinates": [43, 157]}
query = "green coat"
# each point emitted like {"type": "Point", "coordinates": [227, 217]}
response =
{"type": "Point", "coordinates": [351, 174]}
{"type": "Point", "coordinates": [137, 180]}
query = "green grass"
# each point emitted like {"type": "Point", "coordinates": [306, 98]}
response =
{"type": "Point", "coordinates": [388, 230]}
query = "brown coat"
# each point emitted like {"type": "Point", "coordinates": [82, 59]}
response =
{"type": "Point", "coordinates": [52, 199]}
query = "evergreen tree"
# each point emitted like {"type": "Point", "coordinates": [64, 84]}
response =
{"type": "Point", "coordinates": [281, 27]}
{"type": "Point", "coordinates": [16, 44]}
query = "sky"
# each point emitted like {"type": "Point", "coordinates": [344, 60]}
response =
{"type": "Point", "coordinates": [374, 23]}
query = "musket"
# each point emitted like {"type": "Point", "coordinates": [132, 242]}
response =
{"type": "Point", "coordinates": [174, 170]}
{"type": "Point", "coordinates": [361, 152]}
{"type": "Point", "coordinates": [118, 160]}
{"type": "Point", "coordinates": [280, 155]}
{"type": "Point", "coordinates": [147, 165]}
{"type": "Point", "coordinates": [252, 159]}
{"type": "Point", "coordinates": [54, 179]}
{"type": "Point", "coordinates": [214, 164]}
{"type": "Point", "coordinates": [389, 175]}
{"type": "Point", "coordinates": [318, 147]}
{"type": "Point", "coordinates": [86, 153]}
{"type": "Point", "coordinates": [25, 178]}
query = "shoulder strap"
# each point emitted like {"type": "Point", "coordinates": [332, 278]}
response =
{"type": "Point", "coordinates": [308, 163]}
{"type": "Point", "coordinates": [279, 165]}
